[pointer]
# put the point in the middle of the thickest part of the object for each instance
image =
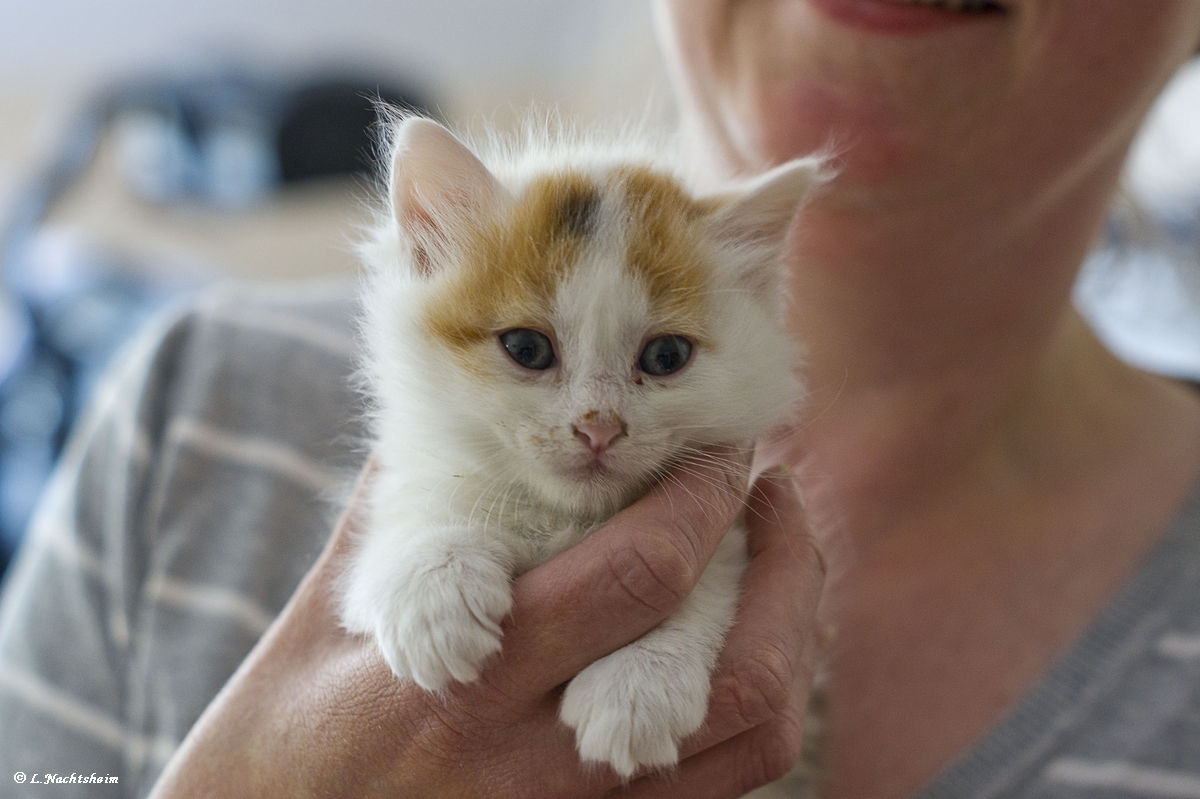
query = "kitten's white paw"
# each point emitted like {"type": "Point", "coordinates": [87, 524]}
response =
{"type": "Point", "coordinates": [443, 620]}
{"type": "Point", "coordinates": [632, 708]}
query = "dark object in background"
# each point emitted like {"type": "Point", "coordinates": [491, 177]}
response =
{"type": "Point", "coordinates": [221, 139]}
{"type": "Point", "coordinates": [231, 140]}
{"type": "Point", "coordinates": [327, 130]}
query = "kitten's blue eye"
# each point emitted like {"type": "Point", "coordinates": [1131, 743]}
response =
{"type": "Point", "coordinates": [664, 355]}
{"type": "Point", "coordinates": [528, 347]}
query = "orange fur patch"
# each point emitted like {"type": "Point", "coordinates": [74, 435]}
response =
{"type": "Point", "coordinates": [514, 264]}
{"type": "Point", "coordinates": [665, 226]}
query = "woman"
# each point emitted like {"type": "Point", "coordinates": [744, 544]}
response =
{"type": "Point", "coordinates": [992, 473]}
{"type": "Point", "coordinates": [986, 476]}
{"type": "Point", "coordinates": [1004, 506]}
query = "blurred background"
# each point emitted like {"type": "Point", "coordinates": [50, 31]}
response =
{"type": "Point", "coordinates": [467, 60]}
{"type": "Point", "coordinates": [148, 148]}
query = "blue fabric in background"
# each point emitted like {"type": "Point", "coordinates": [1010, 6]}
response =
{"type": "Point", "coordinates": [67, 330]}
{"type": "Point", "coordinates": [1141, 290]}
{"type": "Point", "coordinates": [221, 137]}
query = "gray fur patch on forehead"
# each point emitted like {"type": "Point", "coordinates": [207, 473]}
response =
{"type": "Point", "coordinates": [577, 210]}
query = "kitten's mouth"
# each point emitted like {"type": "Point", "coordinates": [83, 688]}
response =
{"type": "Point", "coordinates": [592, 466]}
{"type": "Point", "coordinates": [601, 471]}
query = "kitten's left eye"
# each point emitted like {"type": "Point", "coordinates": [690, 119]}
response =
{"type": "Point", "coordinates": [664, 355]}
{"type": "Point", "coordinates": [529, 348]}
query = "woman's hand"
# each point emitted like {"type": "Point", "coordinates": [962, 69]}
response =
{"type": "Point", "coordinates": [314, 711]}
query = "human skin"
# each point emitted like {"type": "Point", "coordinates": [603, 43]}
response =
{"type": "Point", "coordinates": [315, 711]}
{"type": "Point", "coordinates": [982, 474]}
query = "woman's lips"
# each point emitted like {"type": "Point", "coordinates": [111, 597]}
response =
{"type": "Point", "coordinates": [968, 6]}
{"type": "Point", "coordinates": [909, 16]}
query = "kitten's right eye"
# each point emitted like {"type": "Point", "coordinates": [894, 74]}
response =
{"type": "Point", "coordinates": [665, 355]}
{"type": "Point", "coordinates": [529, 348]}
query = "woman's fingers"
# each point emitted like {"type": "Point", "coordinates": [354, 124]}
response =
{"type": "Point", "coordinates": [592, 600]}
{"type": "Point", "coordinates": [732, 767]}
{"type": "Point", "coordinates": [624, 578]}
{"type": "Point", "coordinates": [755, 726]}
{"type": "Point", "coordinates": [766, 668]}
{"type": "Point", "coordinates": [631, 574]}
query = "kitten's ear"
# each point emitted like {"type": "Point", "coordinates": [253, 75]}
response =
{"type": "Point", "coordinates": [438, 187]}
{"type": "Point", "coordinates": [754, 221]}
{"type": "Point", "coordinates": [760, 213]}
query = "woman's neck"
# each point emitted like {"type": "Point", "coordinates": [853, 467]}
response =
{"type": "Point", "coordinates": [943, 354]}
{"type": "Point", "coordinates": [982, 473]}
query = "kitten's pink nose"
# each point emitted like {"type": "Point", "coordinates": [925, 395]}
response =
{"type": "Point", "coordinates": [599, 432]}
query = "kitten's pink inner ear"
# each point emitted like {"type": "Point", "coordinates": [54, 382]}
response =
{"type": "Point", "coordinates": [762, 211]}
{"type": "Point", "coordinates": [438, 184]}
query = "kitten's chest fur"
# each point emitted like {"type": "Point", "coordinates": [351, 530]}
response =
{"type": "Point", "coordinates": [533, 530]}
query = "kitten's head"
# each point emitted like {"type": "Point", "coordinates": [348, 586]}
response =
{"type": "Point", "coordinates": [576, 324]}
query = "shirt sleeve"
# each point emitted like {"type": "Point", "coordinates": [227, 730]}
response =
{"type": "Point", "coordinates": [70, 597]}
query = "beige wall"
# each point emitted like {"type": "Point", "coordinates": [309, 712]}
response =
{"type": "Point", "coordinates": [478, 59]}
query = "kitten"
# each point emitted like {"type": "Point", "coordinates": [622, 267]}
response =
{"type": "Point", "coordinates": [546, 335]}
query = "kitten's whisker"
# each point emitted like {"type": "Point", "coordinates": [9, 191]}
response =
{"type": "Point", "coordinates": [491, 515]}
{"type": "Point", "coordinates": [699, 457]}
{"type": "Point", "coordinates": [695, 466]}
{"type": "Point", "coordinates": [707, 505]}
{"type": "Point", "coordinates": [479, 499]}
{"type": "Point", "coordinates": [703, 450]}
{"type": "Point", "coordinates": [462, 481]}
{"type": "Point", "coordinates": [723, 464]}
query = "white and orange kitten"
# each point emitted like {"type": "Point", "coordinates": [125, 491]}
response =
{"type": "Point", "coordinates": [549, 327]}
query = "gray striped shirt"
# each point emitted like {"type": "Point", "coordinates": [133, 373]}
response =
{"type": "Point", "coordinates": [199, 489]}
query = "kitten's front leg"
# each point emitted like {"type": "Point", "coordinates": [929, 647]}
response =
{"type": "Point", "coordinates": [631, 708]}
{"type": "Point", "coordinates": [433, 598]}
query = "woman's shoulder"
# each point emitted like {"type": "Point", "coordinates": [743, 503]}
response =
{"type": "Point", "coordinates": [269, 362]}
{"type": "Point", "coordinates": [245, 406]}
{"type": "Point", "coordinates": [195, 492]}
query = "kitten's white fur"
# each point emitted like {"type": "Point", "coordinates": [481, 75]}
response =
{"type": "Point", "coordinates": [478, 480]}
